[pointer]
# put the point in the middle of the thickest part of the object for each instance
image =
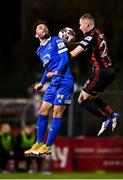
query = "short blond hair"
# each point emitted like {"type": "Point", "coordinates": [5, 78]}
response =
{"type": "Point", "coordinates": [87, 16]}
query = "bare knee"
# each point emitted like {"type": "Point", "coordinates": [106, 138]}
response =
{"type": "Point", "coordinates": [83, 96]}
{"type": "Point", "coordinates": [45, 108]}
{"type": "Point", "coordinates": [43, 111]}
{"type": "Point", "coordinates": [58, 111]}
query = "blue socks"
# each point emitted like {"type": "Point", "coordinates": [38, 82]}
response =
{"type": "Point", "coordinates": [41, 127]}
{"type": "Point", "coordinates": [54, 129]}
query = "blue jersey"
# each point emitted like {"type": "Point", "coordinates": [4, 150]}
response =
{"type": "Point", "coordinates": [53, 54]}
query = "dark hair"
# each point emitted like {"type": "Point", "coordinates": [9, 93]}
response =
{"type": "Point", "coordinates": [39, 21]}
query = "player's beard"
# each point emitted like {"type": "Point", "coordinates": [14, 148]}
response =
{"type": "Point", "coordinates": [46, 36]}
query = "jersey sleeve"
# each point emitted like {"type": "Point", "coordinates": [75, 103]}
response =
{"type": "Point", "coordinates": [86, 42]}
{"type": "Point", "coordinates": [61, 46]}
{"type": "Point", "coordinates": [44, 78]}
{"type": "Point", "coordinates": [63, 53]}
{"type": "Point", "coordinates": [63, 63]}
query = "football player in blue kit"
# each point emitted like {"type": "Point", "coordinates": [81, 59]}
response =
{"type": "Point", "coordinates": [53, 53]}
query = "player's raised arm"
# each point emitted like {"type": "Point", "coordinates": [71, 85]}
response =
{"type": "Point", "coordinates": [75, 52]}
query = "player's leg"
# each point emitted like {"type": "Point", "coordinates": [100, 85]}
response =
{"type": "Point", "coordinates": [41, 127]}
{"type": "Point", "coordinates": [103, 106]}
{"type": "Point", "coordinates": [55, 125]}
{"type": "Point", "coordinates": [48, 100]}
{"type": "Point", "coordinates": [112, 117]}
{"type": "Point", "coordinates": [86, 101]}
{"type": "Point", "coordinates": [87, 98]}
{"type": "Point", "coordinates": [43, 120]}
{"type": "Point", "coordinates": [111, 114]}
{"type": "Point", "coordinates": [53, 131]}
{"type": "Point", "coordinates": [115, 116]}
{"type": "Point", "coordinates": [106, 78]}
{"type": "Point", "coordinates": [63, 96]}
{"type": "Point", "coordinates": [88, 93]}
{"type": "Point", "coordinates": [91, 106]}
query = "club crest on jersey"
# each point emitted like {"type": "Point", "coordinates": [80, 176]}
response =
{"type": "Point", "coordinates": [49, 46]}
{"type": "Point", "coordinates": [60, 96]}
{"type": "Point", "coordinates": [46, 59]}
{"type": "Point", "coordinates": [101, 36]}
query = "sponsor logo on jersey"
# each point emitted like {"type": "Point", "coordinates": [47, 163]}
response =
{"type": "Point", "coordinates": [59, 40]}
{"type": "Point", "coordinates": [84, 43]}
{"type": "Point", "coordinates": [68, 101]}
{"type": "Point", "coordinates": [61, 45]}
{"type": "Point", "coordinates": [88, 38]}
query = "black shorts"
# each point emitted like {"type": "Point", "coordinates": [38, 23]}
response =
{"type": "Point", "coordinates": [99, 81]}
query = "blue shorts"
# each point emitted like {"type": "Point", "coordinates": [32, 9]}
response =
{"type": "Point", "coordinates": [59, 94]}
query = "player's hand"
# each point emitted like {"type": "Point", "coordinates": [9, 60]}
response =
{"type": "Point", "coordinates": [80, 98]}
{"type": "Point", "coordinates": [38, 86]}
{"type": "Point", "coordinates": [51, 74]}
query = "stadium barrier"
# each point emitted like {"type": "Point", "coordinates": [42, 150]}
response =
{"type": "Point", "coordinates": [88, 154]}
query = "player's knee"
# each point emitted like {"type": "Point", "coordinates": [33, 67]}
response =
{"type": "Point", "coordinates": [45, 108]}
{"type": "Point", "coordinates": [83, 96]}
{"type": "Point", "coordinates": [58, 111]}
{"type": "Point", "coordinates": [43, 111]}
{"type": "Point", "coordinates": [86, 96]}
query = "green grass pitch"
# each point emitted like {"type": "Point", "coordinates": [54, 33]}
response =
{"type": "Point", "coordinates": [63, 175]}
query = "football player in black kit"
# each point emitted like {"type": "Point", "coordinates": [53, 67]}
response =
{"type": "Point", "coordinates": [95, 46]}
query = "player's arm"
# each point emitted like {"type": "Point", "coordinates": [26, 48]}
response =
{"type": "Point", "coordinates": [63, 63]}
{"type": "Point", "coordinates": [75, 52]}
{"type": "Point", "coordinates": [44, 77]}
{"type": "Point", "coordinates": [83, 45]}
{"type": "Point", "coordinates": [40, 85]}
{"type": "Point", "coordinates": [63, 52]}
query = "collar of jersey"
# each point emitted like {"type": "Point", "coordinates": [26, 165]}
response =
{"type": "Point", "coordinates": [43, 44]}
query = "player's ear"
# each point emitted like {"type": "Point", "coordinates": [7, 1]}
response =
{"type": "Point", "coordinates": [87, 24]}
{"type": "Point", "coordinates": [36, 35]}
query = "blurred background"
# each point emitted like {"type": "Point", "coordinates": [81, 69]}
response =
{"type": "Point", "coordinates": [20, 68]}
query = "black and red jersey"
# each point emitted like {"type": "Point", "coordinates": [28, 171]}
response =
{"type": "Point", "coordinates": [94, 43]}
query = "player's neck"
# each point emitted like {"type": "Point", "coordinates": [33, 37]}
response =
{"type": "Point", "coordinates": [90, 28]}
{"type": "Point", "coordinates": [44, 40]}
